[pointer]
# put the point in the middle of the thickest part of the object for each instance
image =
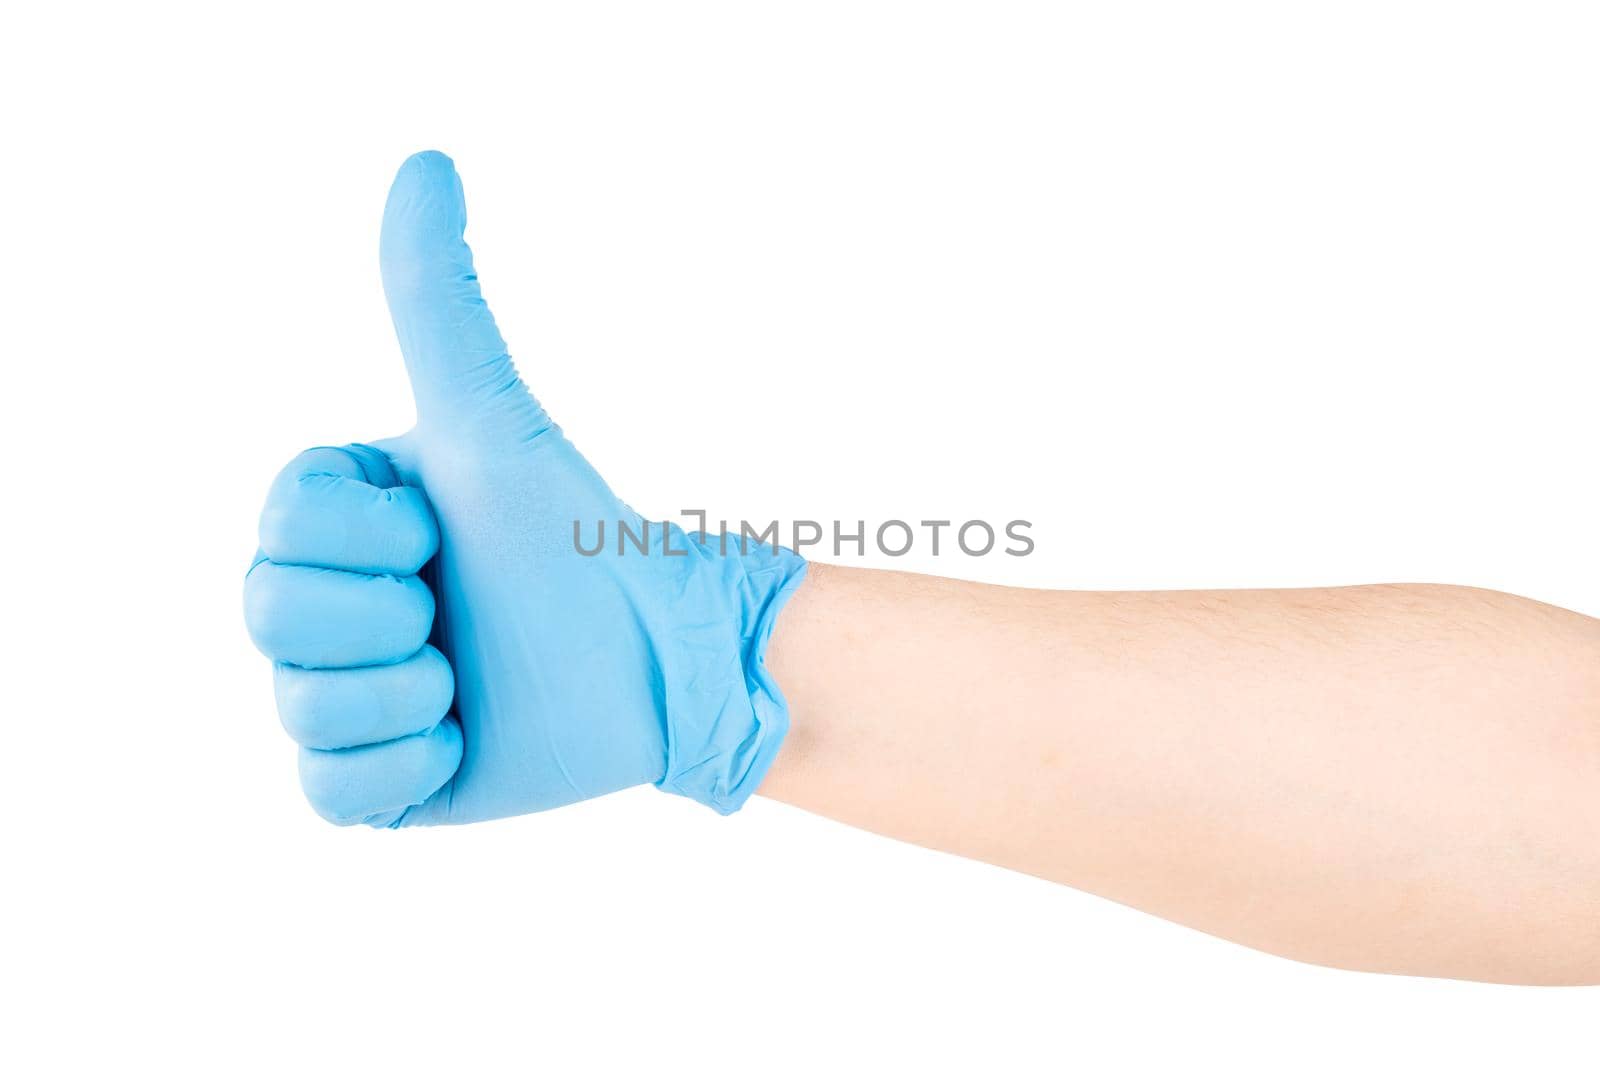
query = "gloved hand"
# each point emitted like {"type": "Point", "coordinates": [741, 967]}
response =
{"type": "Point", "coordinates": [551, 676]}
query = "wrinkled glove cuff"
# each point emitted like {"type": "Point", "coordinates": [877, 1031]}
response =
{"type": "Point", "coordinates": [726, 725]}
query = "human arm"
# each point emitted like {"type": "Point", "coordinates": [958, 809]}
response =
{"type": "Point", "coordinates": [1395, 778]}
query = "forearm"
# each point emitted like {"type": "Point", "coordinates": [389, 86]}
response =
{"type": "Point", "coordinates": [1399, 778]}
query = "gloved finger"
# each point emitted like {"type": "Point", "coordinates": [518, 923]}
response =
{"type": "Point", "coordinates": [376, 783]}
{"type": "Point", "coordinates": [312, 617]}
{"type": "Point", "coordinates": [343, 708]}
{"type": "Point", "coordinates": [454, 353]}
{"type": "Point", "coordinates": [344, 508]}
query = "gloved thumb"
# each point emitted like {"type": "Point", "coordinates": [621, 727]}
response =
{"type": "Point", "coordinates": [460, 370]}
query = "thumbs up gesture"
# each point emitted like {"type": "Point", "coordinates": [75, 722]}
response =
{"type": "Point", "coordinates": [442, 649]}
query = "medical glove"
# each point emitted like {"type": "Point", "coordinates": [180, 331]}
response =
{"type": "Point", "coordinates": [443, 651]}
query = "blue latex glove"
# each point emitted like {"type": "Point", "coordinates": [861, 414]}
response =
{"type": "Point", "coordinates": [551, 676]}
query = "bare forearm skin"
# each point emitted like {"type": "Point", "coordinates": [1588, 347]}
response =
{"type": "Point", "coordinates": [1390, 778]}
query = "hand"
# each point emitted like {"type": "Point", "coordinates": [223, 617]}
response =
{"type": "Point", "coordinates": [552, 676]}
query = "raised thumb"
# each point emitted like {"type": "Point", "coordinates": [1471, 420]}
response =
{"type": "Point", "coordinates": [454, 353]}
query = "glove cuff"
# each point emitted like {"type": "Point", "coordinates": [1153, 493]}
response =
{"type": "Point", "coordinates": [726, 725]}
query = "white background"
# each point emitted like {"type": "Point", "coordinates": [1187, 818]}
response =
{"type": "Point", "coordinates": [1218, 294]}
